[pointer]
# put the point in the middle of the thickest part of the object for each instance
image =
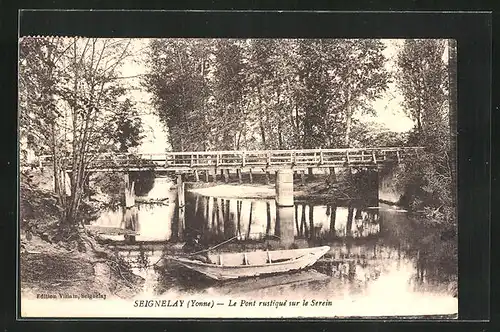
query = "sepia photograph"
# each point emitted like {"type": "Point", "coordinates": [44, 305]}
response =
{"type": "Point", "coordinates": [237, 178]}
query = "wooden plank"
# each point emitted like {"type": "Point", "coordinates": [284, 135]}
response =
{"type": "Point", "coordinates": [110, 230]}
{"type": "Point", "coordinates": [181, 160]}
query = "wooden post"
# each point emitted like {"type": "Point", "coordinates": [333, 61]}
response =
{"type": "Point", "coordinates": [196, 205]}
{"type": "Point", "coordinates": [196, 175]}
{"type": "Point", "coordinates": [333, 175]}
{"type": "Point", "coordinates": [250, 175]}
{"type": "Point", "coordinates": [239, 175]}
{"type": "Point", "coordinates": [303, 177]}
{"type": "Point", "coordinates": [249, 221]}
{"type": "Point", "coordinates": [297, 219]}
{"type": "Point", "coordinates": [311, 222]}
{"type": "Point", "coordinates": [215, 175]}
{"type": "Point", "coordinates": [214, 212]}
{"type": "Point", "coordinates": [267, 177]}
{"type": "Point", "coordinates": [350, 215]}
{"type": "Point", "coordinates": [129, 191]}
{"type": "Point", "coordinates": [206, 176]}
{"type": "Point", "coordinates": [226, 175]}
{"type": "Point", "coordinates": [181, 201]}
{"type": "Point", "coordinates": [333, 218]}
{"type": "Point", "coordinates": [284, 187]}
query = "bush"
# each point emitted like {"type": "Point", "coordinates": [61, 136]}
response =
{"type": "Point", "coordinates": [109, 183]}
{"type": "Point", "coordinates": [427, 182]}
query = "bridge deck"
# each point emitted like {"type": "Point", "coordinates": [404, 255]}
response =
{"type": "Point", "coordinates": [244, 160]}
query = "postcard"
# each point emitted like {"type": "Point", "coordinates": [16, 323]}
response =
{"type": "Point", "coordinates": [237, 178]}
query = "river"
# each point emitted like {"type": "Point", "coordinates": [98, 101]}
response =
{"type": "Point", "coordinates": [381, 252]}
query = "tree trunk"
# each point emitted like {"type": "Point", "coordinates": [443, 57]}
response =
{"type": "Point", "coordinates": [55, 164]}
{"type": "Point", "coordinates": [263, 134]}
{"type": "Point", "coordinates": [348, 121]}
{"type": "Point", "coordinates": [452, 72]}
{"type": "Point", "coordinates": [268, 215]}
{"type": "Point", "coordinates": [280, 138]}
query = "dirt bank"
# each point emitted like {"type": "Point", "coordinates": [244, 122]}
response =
{"type": "Point", "coordinates": [236, 191]}
{"type": "Point", "coordinates": [317, 189]}
{"type": "Point", "coordinates": [52, 269]}
{"type": "Point", "coordinates": [55, 259]}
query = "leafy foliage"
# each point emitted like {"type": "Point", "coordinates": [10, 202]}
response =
{"type": "Point", "coordinates": [70, 99]}
{"type": "Point", "coordinates": [178, 82]}
{"type": "Point", "coordinates": [423, 79]}
{"type": "Point", "coordinates": [263, 93]}
{"type": "Point", "coordinates": [128, 132]}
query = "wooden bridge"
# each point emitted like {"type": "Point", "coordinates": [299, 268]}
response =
{"type": "Point", "coordinates": [270, 160]}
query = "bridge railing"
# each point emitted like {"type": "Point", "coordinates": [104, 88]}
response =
{"type": "Point", "coordinates": [208, 159]}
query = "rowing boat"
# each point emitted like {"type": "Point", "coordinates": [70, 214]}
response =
{"type": "Point", "coordinates": [225, 266]}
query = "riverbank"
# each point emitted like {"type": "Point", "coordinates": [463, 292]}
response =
{"type": "Point", "coordinates": [55, 259]}
{"type": "Point", "coordinates": [317, 189]}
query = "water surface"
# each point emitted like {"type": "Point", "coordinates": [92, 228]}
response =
{"type": "Point", "coordinates": [380, 253]}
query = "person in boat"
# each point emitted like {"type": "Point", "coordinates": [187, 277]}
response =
{"type": "Point", "coordinates": [193, 245]}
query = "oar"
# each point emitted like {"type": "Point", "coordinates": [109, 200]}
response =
{"type": "Point", "coordinates": [218, 245]}
{"type": "Point", "coordinates": [212, 248]}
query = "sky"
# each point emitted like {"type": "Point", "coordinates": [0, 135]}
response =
{"type": "Point", "coordinates": [388, 108]}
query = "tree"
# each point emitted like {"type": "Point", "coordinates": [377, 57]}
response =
{"type": "Point", "coordinates": [263, 93]}
{"type": "Point", "coordinates": [39, 61]}
{"type": "Point", "coordinates": [128, 126]}
{"type": "Point", "coordinates": [36, 58]}
{"type": "Point", "coordinates": [227, 89]}
{"type": "Point", "coordinates": [268, 74]}
{"type": "Point", "coordinates": [79, 96]}
{"type": "Point", "coordinates": [177, 80]}
{"type": "Point", "coordinates": [359, 76]}
{"type": "Point", "coordinates": [452, 96]}
{"type": "Point", "coordinates": [315, 92]}
{"type": "Point", "coordinates": [423, 80]}
{"type": "Point", "coordinates": [338, 77]}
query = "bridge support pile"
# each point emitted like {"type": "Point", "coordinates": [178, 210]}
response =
{"type": "Point", "coordinates": [284, 187]}
{"type": "Point", "coordinates": [182, 206]}
{"type": "Point", "coordinates": [285, 206]}
{"type": "Point", "coordinates": [129, 191]}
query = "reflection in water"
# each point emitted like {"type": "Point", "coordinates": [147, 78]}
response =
{"type": "Point", "coordinates": [221, 219]}
{"type": "Point", "coordinates": [152, 223]}
{"type": "Point", "coordinates": [130, 221]}
{"type": "Point", "coordinates": [375, 251]}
